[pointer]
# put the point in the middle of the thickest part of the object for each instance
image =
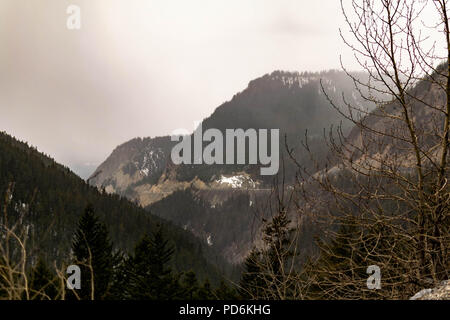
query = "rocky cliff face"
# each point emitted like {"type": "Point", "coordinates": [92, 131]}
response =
{"type": "Point", "coordinates": [133, 164]}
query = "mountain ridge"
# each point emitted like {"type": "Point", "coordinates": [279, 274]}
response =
{"type": "Point", "coordinates": [291, 101]}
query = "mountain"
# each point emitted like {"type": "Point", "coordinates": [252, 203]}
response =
{"type": "Point", "coordinates": [203, 198]}
{"type": "Point", "coordinates": [49, 199]}
{"type": "Point", "coordinates": [291, 101]}
{"type": "Point", "coordinates": [426, 101]}
{"type": "Point", "coordinates": [134, 163]}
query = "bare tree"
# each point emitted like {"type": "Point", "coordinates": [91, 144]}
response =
{"type": "Point", "coordinates": [13, 256]}
{"type": "Point", "coordinates": [16, 256]}
{"type": "Point", "coordinates": [272, 268]}
{"type": "Point", "coordinates": [385, 195]}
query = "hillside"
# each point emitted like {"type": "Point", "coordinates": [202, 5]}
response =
{"type": "Point", "coordinates": [50, 199]}
{"type": "Point", "coordinates": [383, 137]}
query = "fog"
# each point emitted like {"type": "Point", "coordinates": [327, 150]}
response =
{"type": "Point", "coordinates": [145, 68]}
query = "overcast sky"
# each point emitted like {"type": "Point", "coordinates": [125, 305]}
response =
{"type": "Point", "coordinates": [145, 67]}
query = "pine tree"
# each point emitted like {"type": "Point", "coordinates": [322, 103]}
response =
{"type": "Point", "coordinates": [225, 292]}
{"type": "Point", "coordinates": [120, 279]}
{"type": "Point", "coordinates": [276, 236]}
{"type": "Point", "coordinates": [340, 272]}
{"type": "Point", "coordinates": [149, 274]}
{"type": "Point", "coordinates": [43, 283]}
{"type": "Point", "coordinates": [205, 291]}
{"type": "Point", "coordinates": [333, 265]}
{"type": "Point", "coordinates": [252, 282]}
{"type": "Point", "coordinates": [93, 253]}
{"type": "Point", "coordinates": [190, 286]}
{"type": "Point", "coordinates": [265, 274]}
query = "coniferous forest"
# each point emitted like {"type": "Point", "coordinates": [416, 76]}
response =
{"type": "Point", "coordinates": [305, 185]}
{"type": "Point", "coordinates": [65, 221]}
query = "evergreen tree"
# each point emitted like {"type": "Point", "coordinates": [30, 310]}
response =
{"type": "Point", "coordinates": [43, 283]}
{"type": "Point", "coordinates": [225, 292]}
{"type": "Point", "coordinates": [190, 286]}
{"type": "Point", "coordinates": [334, 265]}
{"type": "Point", "coordinates": [276, 236]}
{"type": "Point", "coordinates": [93, 253]}
{"type": "Point", "coordinates": [120, 279]}
{"type": "Point", "coordinates": [340, 272]}
{"type": "Point", "coordinates": [265, 275]}
{"type": "Point", "coordinates": [205, 291]}
{"type": "Point", "coordinates": [252, 283]}
{"type": "Point", "coordinates": [149, 275]}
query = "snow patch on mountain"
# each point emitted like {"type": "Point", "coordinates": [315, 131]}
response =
{"type": "Point", "coordinates": [300, 80]}
{"type": "Point", "coordinates": [150, 161]}
{"type": "Point", "coordinates": [237, 181]}
{"type": "Point", "coordinates": [209, 240]}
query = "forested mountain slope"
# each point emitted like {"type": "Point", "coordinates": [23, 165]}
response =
{"type": "Point", "coordinates": [203, 198]}
{"type": "Point", "coordinates": [292, 102]}
{"type": "Point", "coordinates": [49, 199]}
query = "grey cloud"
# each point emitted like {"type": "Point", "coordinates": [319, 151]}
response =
{"type": "Point", "coordinates": [143, 68]}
